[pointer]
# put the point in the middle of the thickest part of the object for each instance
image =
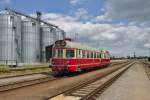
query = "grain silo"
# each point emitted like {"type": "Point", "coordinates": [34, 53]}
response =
{"type": "Point", "coordinates": [30, 41]}
{"type": "Point", "coordinates": [10, 38]}
{"type": "Point", "coordinates": [59, 34]}
{"type": "Point", "coordinates": [48, 38]}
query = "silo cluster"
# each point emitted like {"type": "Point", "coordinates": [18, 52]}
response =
{"type": "Point", "coordinates": [23, 40]}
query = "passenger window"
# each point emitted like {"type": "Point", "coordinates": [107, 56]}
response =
{"type": "Point", "coordinates": [100, 55]}
{"type": "Point", "coordinates": [83, 54]}
{"type": "Point", "coordinates": [70, 53]}
{"type": "Point", "coordinates": [91, 54]}
{"type": "Point", "coordinates": [77, 53]}
{"type": "Point", "coordinates": [103, 55]}
{"type": "Point", "coordinates": [95, 55]}
{"type": "Point", "coordinates": [80, 53]}
{"type": "Point", "coordinates": [88, 54]}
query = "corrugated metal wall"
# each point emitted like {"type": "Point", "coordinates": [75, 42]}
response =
{"type": "Point", "coordinates": [10, 39]}
{"type": "Point", "coordinates": [30, 41]}
{"type": "Point", "coordinates": [24, 40]}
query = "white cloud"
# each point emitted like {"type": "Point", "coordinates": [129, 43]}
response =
{"type": "Point", "coordinates": [74, 2]}
{"type": "Point", "coordinates": [5, 1]}
{"type": "Point", "coordinates": [102, 9]}
{"type": "Point", "coordinates": [147, 45]}
{"type": "Point", "coordinates": [112, 37]}
{"type": "Point", "coordinates": [131, 10]}
{"type": "Point", "coordinates": [77, 2]}
{"type": "Point", "coordinates": [103, 17]}
{"type": "Point", "coordinates": [82, 14]}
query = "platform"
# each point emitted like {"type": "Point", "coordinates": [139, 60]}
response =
{"type": "Point", "coordinates": [132, 85]}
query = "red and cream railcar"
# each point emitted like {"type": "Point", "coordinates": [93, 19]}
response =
{"type": "Point", "coordinates": [71, 57]}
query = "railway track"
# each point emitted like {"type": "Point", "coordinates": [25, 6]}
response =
{"type": "Point", "coordinates": [28, 74]}
{"type": "Point", "coordinates": [12, 76]}
{"type": "Point", "coordinates": [93, 88]}
{"type": "Point", "coordinates": [26, 82]}
{"type": "Point", "coordinates": [29, 82]}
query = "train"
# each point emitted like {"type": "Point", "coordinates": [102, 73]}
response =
{"type": "Point", "coordinates": [69, 57]}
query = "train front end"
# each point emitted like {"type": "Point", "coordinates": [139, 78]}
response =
{"type": "Point", "coordinates": [63, 60]}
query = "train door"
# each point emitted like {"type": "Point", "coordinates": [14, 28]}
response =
{"type": "Point", "coordinates": [48, 53]}
{"type": "Point", "coordinates": [79, 56]}
{"type": "Point", "coordinates": [103, 60]}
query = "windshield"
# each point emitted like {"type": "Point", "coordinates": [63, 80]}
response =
{"type": "Point", "coordinates": [70, 53]}
{"type": "Point", "coordinates": [58, 53]}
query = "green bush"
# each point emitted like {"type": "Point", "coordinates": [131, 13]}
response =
{"type": "Point", "coordinates": [148, 58]}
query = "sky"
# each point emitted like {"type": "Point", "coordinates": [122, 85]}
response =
{"type": "Point", "coordinates": [120, 26]}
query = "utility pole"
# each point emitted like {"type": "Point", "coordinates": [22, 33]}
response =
{"type": "Point", "coordinates": [76, 36]}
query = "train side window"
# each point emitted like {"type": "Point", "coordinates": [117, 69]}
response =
{"type": "Point", "coordinates": [78, 54]}
{"type": "Point", "coordinates": [91, 55]}
{"type": "Point", "coordinates": [103, 55]}
{"type": "Point", "coordinates": [88, 54]}
{"type": "Point", "coordinates": [70, 53]}
{"type": "Point", "coordinates": [99, 55]}
{"type": "Point", "coordinates": [83, 54]}
{"type": "Point", "coordinates": [95, 55]}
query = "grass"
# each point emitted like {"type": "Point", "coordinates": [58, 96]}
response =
{"type": "Point", "coordinates": [25, 69]}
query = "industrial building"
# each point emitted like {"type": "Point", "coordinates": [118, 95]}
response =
{"type": "Point", "coordinates": [23, 39]}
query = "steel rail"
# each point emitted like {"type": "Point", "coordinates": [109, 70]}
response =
{"type": "Point", "coordinates": [15, 76]}
{"type": "Point", "coordinates": [85, 83]}
{"type": "Point", "coordinates": [20, 84]}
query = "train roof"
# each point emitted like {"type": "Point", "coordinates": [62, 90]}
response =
{"type": "Point", "coordinates": [79, 46]}
{"type": "Point", "coordinates": [70, 44]}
